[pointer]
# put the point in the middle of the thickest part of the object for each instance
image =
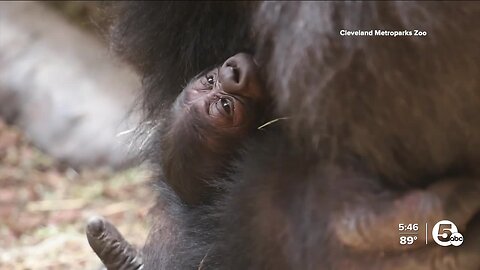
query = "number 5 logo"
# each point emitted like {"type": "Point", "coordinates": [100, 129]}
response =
{"type": "Point", "coordinates": [442, 232]}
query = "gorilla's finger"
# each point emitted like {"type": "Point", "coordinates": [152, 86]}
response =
{"type": "Point", "coordinates": [110, 246]}
{"type": "Point", "coordinates": [375, 225]}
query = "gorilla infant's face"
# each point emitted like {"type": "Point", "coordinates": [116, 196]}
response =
{"type": "Point", "coordinates": [227, 100]}
{"type": "Point", "coordinates": [203, 132]}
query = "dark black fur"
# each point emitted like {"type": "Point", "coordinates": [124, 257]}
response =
{"type": "Point", "coordinates": [403, 111]}
{"type": "Point", "coordinates": [190, 38]}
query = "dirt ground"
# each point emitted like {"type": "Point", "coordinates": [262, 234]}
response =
{"type": "Point", "coordinates": [44, 206]}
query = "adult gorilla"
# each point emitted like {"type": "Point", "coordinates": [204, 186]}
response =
{"type": "Point", "coordinates": [381, 130]}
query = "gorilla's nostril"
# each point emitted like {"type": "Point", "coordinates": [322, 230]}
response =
{"type": "Point", "coordinates": [235, 74]}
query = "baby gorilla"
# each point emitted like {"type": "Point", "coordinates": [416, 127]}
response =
{"type": "Point", "coordinates": [215, 113]}
{"type": "Point", "coordinates": [202, 135]}
{"type": "Point", "coordinates": [200, 138]}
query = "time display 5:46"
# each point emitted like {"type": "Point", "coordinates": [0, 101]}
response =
{"type": "Point", "coordinates": [408, 227]}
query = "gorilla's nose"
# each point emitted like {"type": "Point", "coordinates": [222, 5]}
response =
{"type": "Point", "coordinates": [239, 75]}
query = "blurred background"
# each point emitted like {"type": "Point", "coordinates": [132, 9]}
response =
{"type": "Point", "coordinates": [67, 146]}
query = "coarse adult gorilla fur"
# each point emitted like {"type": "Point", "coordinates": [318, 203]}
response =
{"type": "Point", "coordinates": [368, 117]}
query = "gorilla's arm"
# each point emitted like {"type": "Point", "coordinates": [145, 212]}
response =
{"type": "Point", "coordinates": [301, 229]}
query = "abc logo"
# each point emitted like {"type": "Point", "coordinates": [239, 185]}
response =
{"type": "Point", "coordinates": [445, 233]}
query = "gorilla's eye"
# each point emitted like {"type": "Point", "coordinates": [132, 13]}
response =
{"type": "Point", "coordinates": [210, 79]}
{"type": "Point", "coordinates": [226, 105]}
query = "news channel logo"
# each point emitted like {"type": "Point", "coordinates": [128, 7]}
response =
{"type": "Point", "coordinates": [445, 233]}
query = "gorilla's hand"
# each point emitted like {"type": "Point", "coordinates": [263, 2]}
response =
{"type": "Point", "coordinates": [373, 226]}
{"type": "Point", "coordinates": [110, 246]}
